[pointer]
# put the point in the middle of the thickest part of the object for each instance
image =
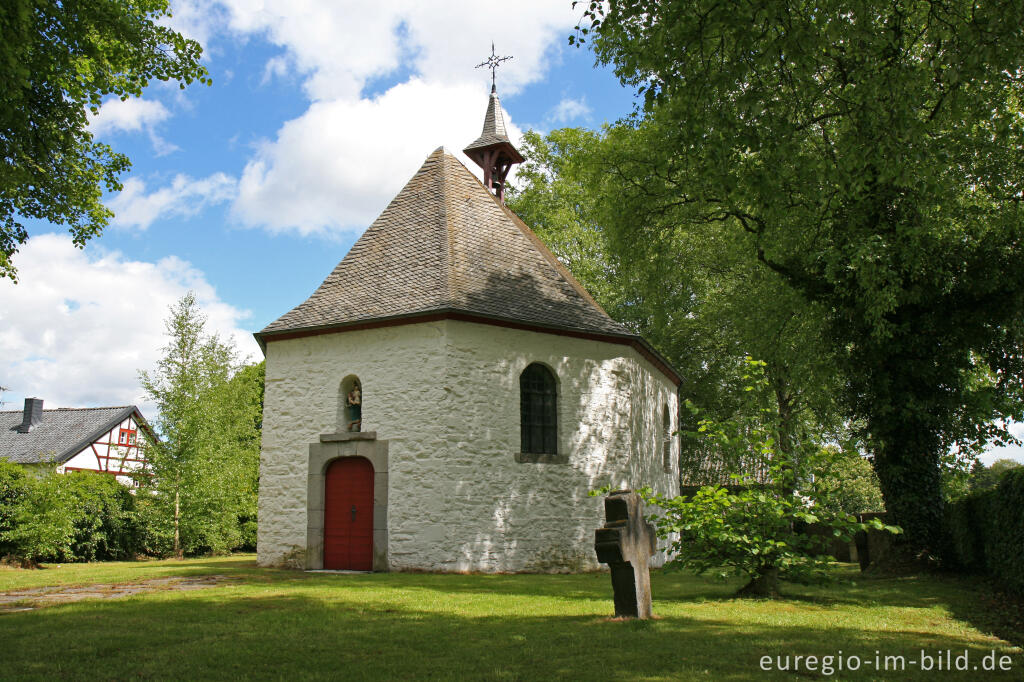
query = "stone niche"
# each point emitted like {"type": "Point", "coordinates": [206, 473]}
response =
{"type": "Point", "coordinates": [331, 447]}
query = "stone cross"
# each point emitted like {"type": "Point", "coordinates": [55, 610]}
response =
{"type": "Point", "coordinates": [626, 543]}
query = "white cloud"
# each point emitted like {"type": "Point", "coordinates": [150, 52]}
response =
{"type": "Point", "coordinates": [387, 81]}
{"type": "Point", "coordinates": [184, 197]}
{"type": "Point", "coordinates": [199, 20]}
{"type": "Point", "coordinates": [337, 165]}
{"type": "Point", "coordinates": [132, 115]}
{"type": "Point", "coordinates": [79, 325]}
{"type": "Point", "coordinates": [339, 46]}
{"type": "Point", "coordinates": [276, 67]}
{"type": "Point", "coordinates": [569, 110]}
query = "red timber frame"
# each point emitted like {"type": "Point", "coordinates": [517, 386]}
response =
{"type": "Point", "coordinates": [108, 451]}
{"type": "Point", "coordinates": [496, 164]}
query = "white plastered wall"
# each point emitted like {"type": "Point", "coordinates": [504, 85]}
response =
{"type": "Point", "coordinates": [446, 396]}
{"type": "Point", "coordinates": [500, 514]}
{"type": "Point", "coordinates": [401, 370]}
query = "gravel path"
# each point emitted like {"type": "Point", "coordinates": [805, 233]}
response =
{"type": "Point", "coordinates": [26, 600]}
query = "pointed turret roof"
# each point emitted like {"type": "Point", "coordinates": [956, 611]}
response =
{"type": "Point", "coordinates": [445, 247]}
{"type": "Point", "coordinates": [494, 132]}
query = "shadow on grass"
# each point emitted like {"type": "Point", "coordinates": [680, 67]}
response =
{"type": "Point", "coordinates": [245, 632]}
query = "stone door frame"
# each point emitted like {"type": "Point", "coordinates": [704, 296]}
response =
{"type": "Point", "coordinates": [331, 447]}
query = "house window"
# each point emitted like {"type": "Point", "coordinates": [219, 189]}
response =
{"type": "Point", "coordinates": [666, 440]}
{"type": "Point", "coordinates": [538, 409]}
{"type": "Point", "coordinates": [126, 437]}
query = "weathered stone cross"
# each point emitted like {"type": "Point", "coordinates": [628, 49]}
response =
{"type": "Point", "coordinates": [626, 543]}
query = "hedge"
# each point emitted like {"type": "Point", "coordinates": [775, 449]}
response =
{"type": "Point", "coordinates": [987, 531]}
{"type": "Point", "coordinates": [66, 517]}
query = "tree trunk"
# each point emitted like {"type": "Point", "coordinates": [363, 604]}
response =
{"type": "Point", "coordinates": [911, 482]}
{"type": "Point", "coordinates": [765, 584]}
{"type": "Point", "coordinates": [177, 516]}
{"type": "Point", "coordinates": [906, 414]}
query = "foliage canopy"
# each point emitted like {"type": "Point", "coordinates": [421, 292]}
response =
{"type": "Point", "coordinates": [205, 466]}
{"type": "Point", "coordinates": [871, 153]}
{"type": "Point", "coordinates": [58, 60]}
{"type": "Point", "coordinates": [756, 528]}
{"type": "Point", "coordinates": [692, 292]}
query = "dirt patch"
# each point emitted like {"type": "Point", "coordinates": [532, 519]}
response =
{"type": "Point", "coordinates": [28, 599]}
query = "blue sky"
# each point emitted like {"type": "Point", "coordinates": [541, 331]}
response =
{"type": "Point", "coordinates": [250, 191]}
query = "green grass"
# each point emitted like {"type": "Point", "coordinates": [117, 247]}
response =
{"type": "Point", "coordinates": [272, 624]}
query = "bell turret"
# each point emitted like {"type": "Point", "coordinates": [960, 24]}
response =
{"type": "Point", "coordinates": [493, 151]}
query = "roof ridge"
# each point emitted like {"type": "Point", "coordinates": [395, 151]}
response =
{"type": "Point", "coordinates": [540, 246]}
{"type": "Point", "coordinates": [553, 259]}
{"type": "Point", "coordinates": [70, 409]}
{"type": "Point", "coordinates": [449, 235]}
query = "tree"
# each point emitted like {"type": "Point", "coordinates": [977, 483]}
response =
{"type": "Point", "coordinates": [692, 293]}
{"type": "Point", "coordinates": [846, 482]}
{"type": "Point", "coordinates": [756, 531]}
{"type": "Point", "coordinates": [871, 154]}
{"type": "Point", "coordinates": [237, 417]}
{"type": "Point", "coordinates": [198, 469]}
{"type": "Point", "coordinates": [59, 59]}
{"type": "Point", "coordinates": [987, 478]}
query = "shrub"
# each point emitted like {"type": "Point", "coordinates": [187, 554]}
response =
{"type": "Point", "coordinates": [753, 531]}
{"type": "Point", "coordinates": [13, 489]}
{"type": "Point", "coordinates": [987, 531]}
{"type": "Point", "coordinates": [73, 517]}
{"type": "Point", "coordinates": [105, 522]}
{"type": "Point", "coordinates": [756, 531]}
{"type": "Point", "coordinates": [43, 523]}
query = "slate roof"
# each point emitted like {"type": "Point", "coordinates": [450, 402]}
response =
{"type": "Point", "coordinates": [494, 131]}
{"type": "Point", "coordinates": [60, 435]}
{"type": "Point", "coordinates": [446, 244]}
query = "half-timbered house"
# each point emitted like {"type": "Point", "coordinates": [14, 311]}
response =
{"type": "Point", "coordinates": [108, 440]}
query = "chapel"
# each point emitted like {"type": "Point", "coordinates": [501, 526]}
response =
{"type": "Point", "coordinates": [449, 395]}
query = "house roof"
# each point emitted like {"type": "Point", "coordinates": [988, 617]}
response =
{"type": "Point", "coordinates": [61, 434]}
{"type": "Point", "coordinates": [447, 247]}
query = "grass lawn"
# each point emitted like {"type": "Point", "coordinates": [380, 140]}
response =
{"type": "Point", "coordinates": [275, 624]}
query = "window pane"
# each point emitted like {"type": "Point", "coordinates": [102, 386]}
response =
{"type": "Point", "coordinates": [538, 410]}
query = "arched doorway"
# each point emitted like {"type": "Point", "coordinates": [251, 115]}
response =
{"type": "Point", "coordinates": [348, 514]}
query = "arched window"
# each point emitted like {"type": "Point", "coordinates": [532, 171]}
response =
{"type": "Point", "coordinates": [666, 439]}
{"type": "Point", "coordinates": [538, 409]}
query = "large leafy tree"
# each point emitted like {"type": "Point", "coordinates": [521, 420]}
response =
{"type": "Point", "coordinates": [692, 293]}
{"type": "Point", "coordinates": [205, 465]}
{"type": "Point", "coordinates": [872, 154]}
{"type": "Point", "coordinates": [58, 59]}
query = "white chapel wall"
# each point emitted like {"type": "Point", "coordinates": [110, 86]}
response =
{"type": "Point", "coordinates": [497, 514]}
{"type": "Point", "coordinates": [446, 396]}
{"type": "Point", "coordinates": [401, 370]}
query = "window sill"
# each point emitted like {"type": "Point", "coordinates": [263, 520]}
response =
{"type": "Point", "coordinates": [540, 458]}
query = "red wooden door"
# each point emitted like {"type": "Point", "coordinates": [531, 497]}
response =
{"type": "Point", "coordinates": [348, 514]}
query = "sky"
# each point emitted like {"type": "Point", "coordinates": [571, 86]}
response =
{"type": "Point", "coordinates": [250, 191]}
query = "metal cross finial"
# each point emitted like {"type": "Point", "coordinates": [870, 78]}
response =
{"type": "Point", "coordinates": [493, 62]}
